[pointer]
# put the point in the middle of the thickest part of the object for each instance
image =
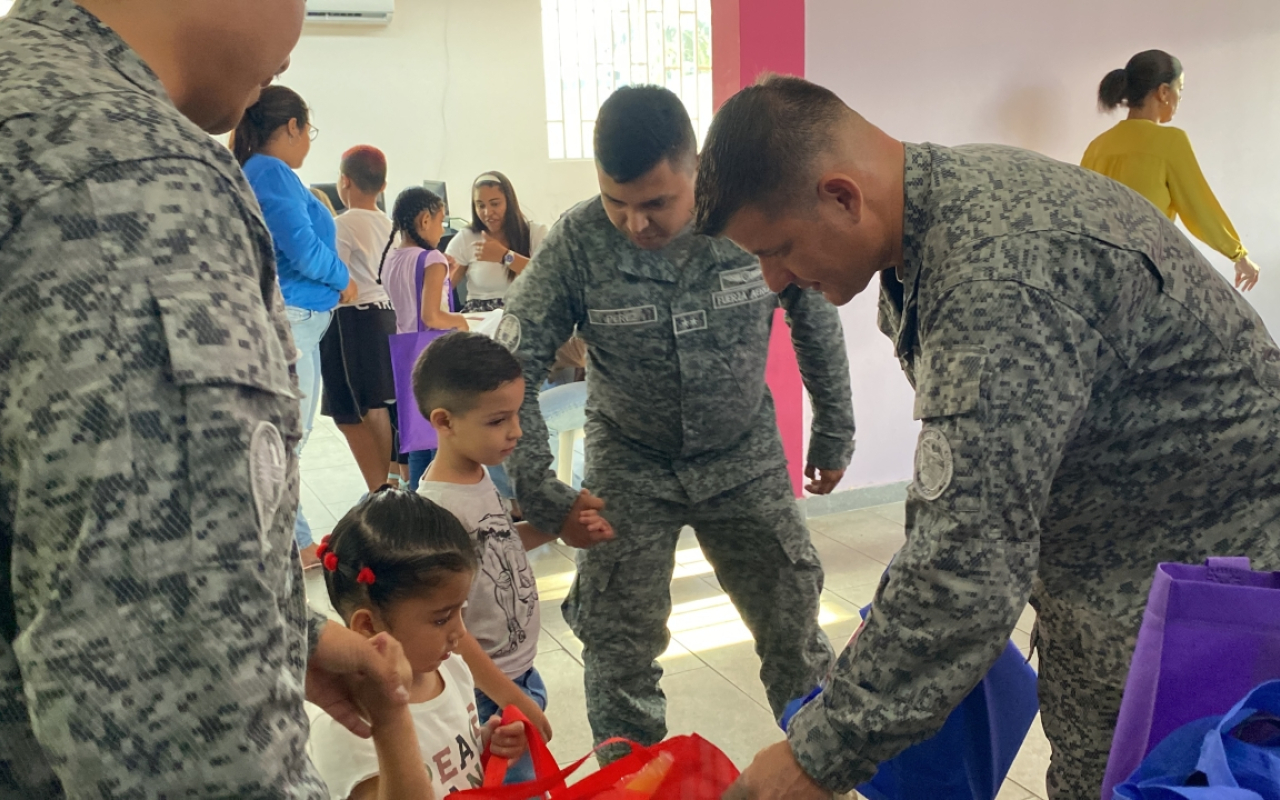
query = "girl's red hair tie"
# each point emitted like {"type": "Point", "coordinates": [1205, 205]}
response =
{"type": "Point", "coordinates": [331, 561]}
{"type": "Point", "coordinates": [365, 577]}
{"type": "Point", "coordinates": [322, 549]}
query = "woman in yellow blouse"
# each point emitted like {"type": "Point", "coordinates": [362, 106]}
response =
{"type": "Point", "coordinates": [1156, 161]}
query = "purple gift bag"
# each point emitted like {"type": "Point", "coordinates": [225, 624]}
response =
{"type": "Point", "coordinates": [1209, 635]}
{"type": "Point", "coordinates": [416, 432]}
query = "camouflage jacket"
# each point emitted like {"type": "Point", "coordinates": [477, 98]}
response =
{"type": "Point", "coordinates": [154, 626]}
{"type": "Point", "coordinates": [677, 342]}
{"type": "Point", "coordinates": [1095, 399]}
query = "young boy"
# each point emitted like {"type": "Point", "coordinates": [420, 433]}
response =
{"type": "Point", "coordinates": [355, 362]}
{"type": "Point", "coordinates": [470, 387]}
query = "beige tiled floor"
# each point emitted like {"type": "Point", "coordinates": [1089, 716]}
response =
{"type": "Point", "coordinates": [711, 669]}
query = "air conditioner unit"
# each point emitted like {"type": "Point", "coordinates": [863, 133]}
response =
{"type": "Point", "coordinates": [351, 12]}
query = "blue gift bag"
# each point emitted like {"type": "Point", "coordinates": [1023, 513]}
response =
{"type": "Point", "coordinates": [970, 757]}
{"type": "Point", "coordinates": [1232, 757]}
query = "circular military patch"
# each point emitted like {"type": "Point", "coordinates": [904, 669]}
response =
{"type": "Point", "coordinates": [934, 464]}
{"type": "Point", "coordinates": [508, 333]}
{"type": "Point", "coordinates": [267, 472]}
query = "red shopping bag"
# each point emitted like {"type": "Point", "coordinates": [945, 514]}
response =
{"type": "Point", "coordinates": [684, 767]}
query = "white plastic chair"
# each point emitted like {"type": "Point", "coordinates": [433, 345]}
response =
{"type": "Point", "coordinates": [565, 410]}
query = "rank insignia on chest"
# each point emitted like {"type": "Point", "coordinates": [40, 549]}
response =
{"type": "Point", "coordinates": [689, 322]}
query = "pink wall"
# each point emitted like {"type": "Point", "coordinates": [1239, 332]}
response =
{"type": "Point", "coordinates": [1025, 73]}
{"type": "Point", "coordinates": [750, 37]}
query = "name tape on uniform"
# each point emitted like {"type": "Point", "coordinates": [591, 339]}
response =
{"type": "Point", "coordinates": [737, 297]}
{"type": "Point", "coordinates": [739, 278]}
{"type": "Point", "coordinates": [640, 315]}
{"type": "Point", "coordinates": [689, 322]}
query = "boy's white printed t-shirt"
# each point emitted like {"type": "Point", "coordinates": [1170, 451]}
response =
{"type": "Point", "coordinates": [502, 611]}
{"type": "Point", "coordinates": [448, 737]}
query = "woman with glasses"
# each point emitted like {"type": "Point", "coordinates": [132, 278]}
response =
{"type": "Point", "coordinates": [272, 141]}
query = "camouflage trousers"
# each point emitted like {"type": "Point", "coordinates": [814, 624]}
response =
{"type": "Point", "coordinates": [1084, 662]}
{"type": "Point", "coordinates": [755, 539]}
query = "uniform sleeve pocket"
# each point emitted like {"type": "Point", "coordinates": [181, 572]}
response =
{"type": "Point", "coordinates": [218, 332]}
{"type": "Point", "coordinates": [950, 384]}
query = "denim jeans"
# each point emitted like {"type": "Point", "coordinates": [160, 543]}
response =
{"type": "Point", "coordinates": [531, 684]}
{"type": "Point", "coordinates": [419, 460]}
{"type": "Point", "coordinates": [308, 329]}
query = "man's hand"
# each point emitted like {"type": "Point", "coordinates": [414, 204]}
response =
{"type": "Point", "coordinates": [506, 741]}
{"type": "Point", "coordinates": [775, 775]}
{"type": "Point", "coordinates": [348, 295]}
{"type": "Point", "coordinates": [1246, 274]}
{"type": "Point", "coordinates": [575, 532]}
{"type": "Point", "coordinates": [345, 664]}
{"type": "Point", "coordinates": [822, 481]}
{"type": "Point", "coordinates": [369, 690]}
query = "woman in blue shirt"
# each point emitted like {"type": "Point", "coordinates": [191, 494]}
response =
{"type": "Point", "coordinates": [272, 141]}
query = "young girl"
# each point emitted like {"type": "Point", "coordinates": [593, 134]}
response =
{"type": "Point", "coordinates": [401, 565]}
{"type": "Point", "coordinates": [418, 219]}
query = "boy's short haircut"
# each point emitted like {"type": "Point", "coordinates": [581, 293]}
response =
{"type": "Point", "coordinates": [457, 368]}
{"type": "Point", "coordinates": [366, 167]}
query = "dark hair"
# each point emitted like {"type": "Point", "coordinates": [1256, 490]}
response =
{"type": "Point", "coordinates": [404, 218]}
{"type": "Point", "coordinates": [761, 148]}
{"type": "Point", "coordinates": [275, 107]}
{"type": "Point", "coordinates": [459, 367]}
{"type": "Point", "coordinates": [1145, 72]}
{"type": "Point", "coordinates": [366, 167]}
{"type": "Point", "coordinates": [515, 228]}
{"type": "Point", "coordinates": [407, 544]}
{"type": "Point", "coordinates": [638, 128]}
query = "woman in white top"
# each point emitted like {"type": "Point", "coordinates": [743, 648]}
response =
{"type": "Point", "coordinates": [496, 247]}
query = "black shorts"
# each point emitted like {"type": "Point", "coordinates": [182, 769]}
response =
{"type": "Point", "coordinates": [355, 363]}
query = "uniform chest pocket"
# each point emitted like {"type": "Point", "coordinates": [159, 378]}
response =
{"type": "Point", "coordinates": [948, 382]}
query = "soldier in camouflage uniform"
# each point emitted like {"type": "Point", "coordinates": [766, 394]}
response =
{"type": "Point", "coordinates": [681, 428]}
{"type": "Point", "coordinates": [155, 635]}
{"type": "Point", "coordinates": [1094, 399]}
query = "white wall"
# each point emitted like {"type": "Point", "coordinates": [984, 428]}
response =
{"type": "Point", "coordinates": [451, 89]}
{"type": "Point", "coordinates": [1025, 73]}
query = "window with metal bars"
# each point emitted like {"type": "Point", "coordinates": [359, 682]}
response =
{"type": "Point", "coordinates": [591, 47]}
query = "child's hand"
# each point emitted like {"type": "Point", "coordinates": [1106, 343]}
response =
{"type": "Point", "coordinates": [506, 741]}
{"type": "Point", "coordinates": [349, 294]}
{"type": "Point", "coordinates": [597, 525]}
{"type": "Point", "coordinates": [539, 720]}
{"type": "Point", "coordinates": [577, 533]}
